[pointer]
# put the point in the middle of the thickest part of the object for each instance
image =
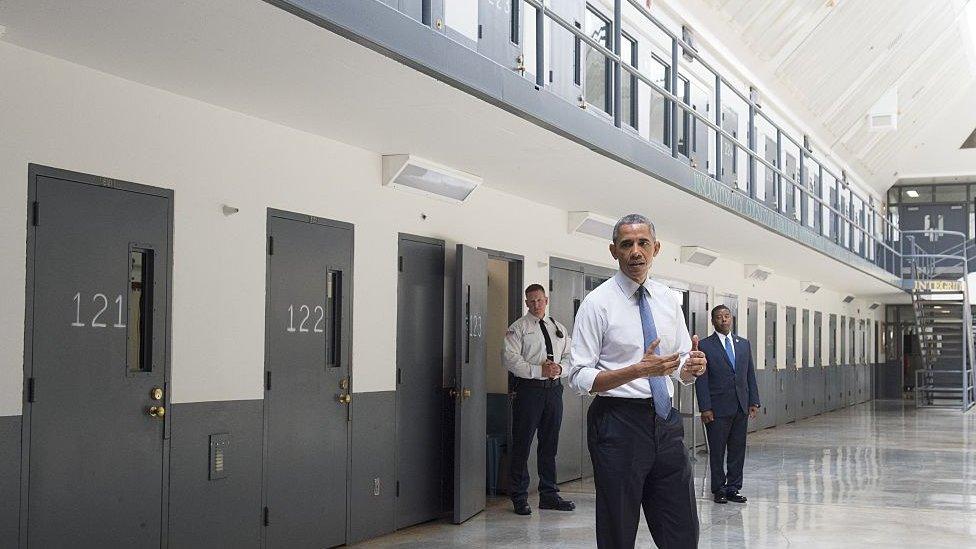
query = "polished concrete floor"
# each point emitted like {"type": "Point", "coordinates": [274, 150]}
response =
{"type": "Point", "coordinates": [879, 474]}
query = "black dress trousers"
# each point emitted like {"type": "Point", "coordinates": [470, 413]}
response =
{"type": "Point", "coordinates": [535, 409]}
{"type": "Point", "coordinates": [640, 461]}
{"type": "Point", "coordinates": [727, 438]}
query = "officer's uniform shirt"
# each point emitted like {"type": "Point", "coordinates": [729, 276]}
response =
{"type": "Point", "coordinates": [525, 347]}
{"type": "Point", "coordinates": [609, 335]}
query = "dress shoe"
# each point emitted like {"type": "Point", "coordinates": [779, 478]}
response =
{"type": "Point", "coordinates": [557, 504]}
{"type": "Point", "coordinates": [720, 497]}
{"type": "Point", "coordinates": [522, 508]}
{"type": "Point", "coordinates": [735, 496]}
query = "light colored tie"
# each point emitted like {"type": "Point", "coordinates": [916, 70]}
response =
{"type": "Point", "coordinates": [659, 385]}
{"type": "Point", "coordinates": [730, 352]}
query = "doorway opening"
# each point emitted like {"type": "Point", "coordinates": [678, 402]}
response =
{"type": "Point", "coordinates": [505, 306]}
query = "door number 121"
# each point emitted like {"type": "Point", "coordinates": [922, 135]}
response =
{"type": "Point", "coordinates": [101, 303]}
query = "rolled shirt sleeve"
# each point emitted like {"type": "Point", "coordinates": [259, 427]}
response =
{"type": "Point", "coordinates": [587, 343]}
{"type": "Point", "coordinates": [512, 354]}
{"type": "Point", "coordinates": [682, 346]}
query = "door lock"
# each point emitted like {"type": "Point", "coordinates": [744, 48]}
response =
{"type": "Point", "coordinates": [157, 411]}
{"type": "Point", "coordinates": [464, 393]}
{"type": "Point", "coordinates": [344, 398]}
{"type": "Point", "coordinates": [156, 393]}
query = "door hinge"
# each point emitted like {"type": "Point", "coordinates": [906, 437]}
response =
{"type": "Point", "coordinates": [267, 380]}
{"type": "Point", "coordinates": [398, 489]}
{"type": "Point", "coordinates": [30, 389]}
{"type": "Point", "coordinates": [400, 264]}
{"type": "Point", "coordinates": [270, 245]}
{"type": "Point", "coordinates": [480, 33]}
{"type": "Point", "coordinates": [267, 515]}
{"type": "Point", "coordinates": [550, 284]}
{"type": "Point", "coordinates": [399, 376]}
{"type": "Point", "coordinates": [35, 211]}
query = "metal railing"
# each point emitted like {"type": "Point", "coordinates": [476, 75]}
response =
{"type": "Point", "coordinates": [873, 239]}
{"type": "Point", "coordinates": [936, 334]}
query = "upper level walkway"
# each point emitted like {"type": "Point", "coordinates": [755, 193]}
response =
{"type": "Point", "coordinates": [614, 78]}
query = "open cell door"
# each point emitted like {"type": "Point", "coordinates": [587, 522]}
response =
{"type": "Point", "coordinates": [469, 390]}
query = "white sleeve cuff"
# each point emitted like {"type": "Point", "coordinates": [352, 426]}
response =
{"type": "Point", "coordinates": [582, 379]}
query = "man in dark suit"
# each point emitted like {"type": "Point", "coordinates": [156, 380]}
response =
{"type": "Point", "coordinates": [726, 395]}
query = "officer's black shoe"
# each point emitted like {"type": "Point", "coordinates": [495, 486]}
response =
{"type": "Point", "coordinates": [720, 497]}
{"type": "Point", "coordinates": [522, 508]}
{"type": "Point", "coordinates": [735, 496]}
{"type": "Point", "coordinates": [557, 504]}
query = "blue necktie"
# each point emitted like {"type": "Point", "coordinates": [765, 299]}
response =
{"type": "Point", "coordinates": [659, 385]}
{"type": "Point", "coordinates": [730, 352]}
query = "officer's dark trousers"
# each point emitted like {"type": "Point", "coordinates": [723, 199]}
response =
{"type": "Point", "coordinates": [727, 435]}
{"type": "Point", "coordinates": [535, 409]}
{"type": "Point", "coordinates": [640, 460]}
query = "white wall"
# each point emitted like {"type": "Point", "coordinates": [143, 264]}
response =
{"type": "Point", "coordinates": [70, 117]}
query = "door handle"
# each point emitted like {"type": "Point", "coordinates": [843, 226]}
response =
{"type": "Point", "coordinates": [344, 398]}
{"type": "Point", "coordinates": [157, 412]}
{"type": "Point", "coordinates": [463, 394]}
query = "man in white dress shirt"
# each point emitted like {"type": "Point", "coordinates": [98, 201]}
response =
{"type": "Point", "coordinates": [536, 352]}
{"type": "Point", "coordinates": [630, 340]}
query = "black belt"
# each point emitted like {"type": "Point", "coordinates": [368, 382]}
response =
{"type": "Point", "coordinates": [625, 400]}
{"type": "Point", "coordinates": [538, 383]}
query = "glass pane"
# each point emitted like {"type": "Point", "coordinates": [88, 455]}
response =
{"type": "Point", "coordinates": [597, 77]}
{"type": "Point", "coordinates": [893, 196]}
{"type": "Point", "coordinates": [628, 114]}
{"type": "Point", "coordinates": [918, 193]}
{"type": "Point", "coordinates": [658, 119]}
{"type": "Point", "coordinates": [140, 312]}
{"type": "Point", "coordinates": [950, 193]}
{"type": "Point", "coordinates": [334, 307]}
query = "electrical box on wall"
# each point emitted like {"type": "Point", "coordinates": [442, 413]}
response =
{"type": "Point", "coordinates": [219, 444]}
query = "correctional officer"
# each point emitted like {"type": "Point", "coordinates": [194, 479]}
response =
{"type": "Point", "coordinates": [536, 352]}
{"type": "Point", "coordinates": [630, 340]}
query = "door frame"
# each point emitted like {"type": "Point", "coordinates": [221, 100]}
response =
{"type": "Point", "coordinates": [266, 394]}
{"type": "Point", "coordinates": [34, 172]}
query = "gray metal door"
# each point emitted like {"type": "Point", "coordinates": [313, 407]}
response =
{"type": "Point", "coordinates": [730, 164]}
{"type": "Point", "coordinates": [803, 380]}
{"type": "Point", "coordinates": [699, 131]}
{"type": "Point", "coordinates": [566, 291]}
{"type": "Point", "coordinates": [752, 326]}
{"type": "Point", "coordinates": [565, 74]}
{"type": "Point", "coordinates": [816, 386]}
{"type": "Point", "coordinates": [420, 367]}
{"type": "Point", "coordinates": [775, 398]}
{"type": "Point", "coordinates": [790, 382]}
{"type": "Point", "coordinates": [495, 18]}
{"type": "Point", "coordinates": [696, 315]}
{"type": "Point", "coordinates": [307, 393]}
{"type": "Point", "coordinates": [95, 362]}
{"type": "Point", "coordinates": [771, 194]}
{"type": "Point", "coordinates": [790, 192]}
{"type": "Point", "coordinates": [470, 393]}
{"type": "Point", "coordinates": [949, 217]}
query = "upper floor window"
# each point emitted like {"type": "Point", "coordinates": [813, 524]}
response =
{"type": "Point", "coordinates": [596, 66]}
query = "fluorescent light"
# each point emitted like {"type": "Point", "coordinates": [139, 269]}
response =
{"type": "Point", "coordinates": [591, 224]}
{"type": "Point", "coordinates": [912, 193]}
{"type": "Point", "coordinates": [696, 255]}
{"type": "Point", "coordinates": [422, 176]}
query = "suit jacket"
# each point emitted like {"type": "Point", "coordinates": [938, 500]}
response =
{"type": "Point", "coordinates": [718, 389]}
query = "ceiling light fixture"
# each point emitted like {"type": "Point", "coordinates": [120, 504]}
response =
{"type": "Point", "coordinates": [418, 175]}
{"type": "Point", "coordinates": [591, 224]}
{"type": "Point", "coordinates": [696, 255]}
{"type": "Point", "coordinates": [912, 193]}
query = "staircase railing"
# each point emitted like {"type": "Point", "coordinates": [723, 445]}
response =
{"type": "Point", "coordinates": [940, 287]}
